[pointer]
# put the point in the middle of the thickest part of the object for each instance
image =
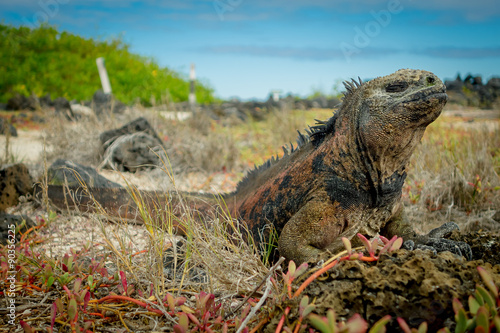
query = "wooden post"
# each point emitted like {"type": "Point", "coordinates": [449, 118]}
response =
{"type": "Point", "coordinates": [192, 96]}
{"type": "Point", "coordinates": [103, 74]}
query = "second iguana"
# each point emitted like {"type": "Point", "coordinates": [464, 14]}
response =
{"type": "Point", "coordinates": [344, 177]}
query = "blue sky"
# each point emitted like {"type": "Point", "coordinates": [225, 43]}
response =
{"type": "Point", "coordinates": [246, 48]}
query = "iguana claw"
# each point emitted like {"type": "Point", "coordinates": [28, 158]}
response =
{"type": "Point", "coordinates": [457, 247]}
{"type": "Point", "coordinates": [435, 242]}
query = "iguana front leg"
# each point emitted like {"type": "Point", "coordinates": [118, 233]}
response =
{"type": "Point", "coordinates": [306, 235]}
{"type": "Point", "coordinates": [400, 226]}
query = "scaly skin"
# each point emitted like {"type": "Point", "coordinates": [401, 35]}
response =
{"type": "Point", "coordinates": [346, 176]}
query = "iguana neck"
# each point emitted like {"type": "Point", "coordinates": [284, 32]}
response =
{"type": "Point", "coordinates": [381, 178]}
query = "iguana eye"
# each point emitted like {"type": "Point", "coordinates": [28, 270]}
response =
{"type": "Point", "coordinates": [396, 87]}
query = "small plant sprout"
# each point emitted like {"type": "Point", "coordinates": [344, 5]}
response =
{"type": "Point", "coordinates": [292, 274]}
{"type": "Point", "coordinates": [347, 245]}
{"type": "Point", "coordinates": [183, 325]}
{"type": "Point", "coordinates": [304, 310]}
{"type": "Point", "coordinates": [406, 329]}
{"type": "Point", "coordinates": [355, 324]}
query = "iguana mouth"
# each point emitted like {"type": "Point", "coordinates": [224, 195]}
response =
{"type": "Point", "coordinates": [427, 93]}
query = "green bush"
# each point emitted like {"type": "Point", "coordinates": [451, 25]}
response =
{"type": "Point", "coordinates": [43, 60]}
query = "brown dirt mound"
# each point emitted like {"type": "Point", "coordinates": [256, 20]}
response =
{"type": "Point", "coordinates": [415, 285]}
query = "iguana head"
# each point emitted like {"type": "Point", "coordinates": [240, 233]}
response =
{"type": "Point", "coordinates": [396, 109]}
{"type": "Point", "coordinates": [389, 114]}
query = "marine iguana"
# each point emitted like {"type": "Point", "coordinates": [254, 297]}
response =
{"type": "Point", "coordinates": [344, 177]}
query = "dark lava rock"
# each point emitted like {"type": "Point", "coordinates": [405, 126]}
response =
{"type": "Point", "coordinates": [472, 92]}
{"type": "Point", "coordinates": [46, 101]}
{"type": "Point", "coordinates": [320, 102]}
{"type": "Point", "coordinates": [5, 126]}
{"type": "Point", "coordinates": [234, 112]}
{"type": "Point", "coordinates": [21, 102]}
{"type": "Point", "coordinates": [494, 83]}
{"type": "Point", "coordinates": [131, 147]}
{"type": "Point", "coordinates": [63, 108]}
{"type": "Point", "coordinates": [105, 103]}
{"type": "Point", "coordinates": [414, 285]}
{"type": "Point", "coordinates": [140, 124]}
{"type": "Point", "coordinates": [15, 181]}
{"type": "Point", "coordinates": [12, 225]}
{"type": "Point", "coordinates": [333, 103]}
{"type": "Point", "coordinates": [62, 171]}
{"type": "Point", "coordinates": [133, 152]}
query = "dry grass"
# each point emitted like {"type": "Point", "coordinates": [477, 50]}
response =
{"type": "Point", "coordinates": [78, 141]}
{"type": "Point", "coordinates": [455, 176]}
{"type": "Point", "coordinates": [221, 248]}
{"type": "Point", "coordinates": [258, 141]}
{"type": "Point", "coordinates": [194, 144]}
{"type": "Point", "coordinates": [198, 144]}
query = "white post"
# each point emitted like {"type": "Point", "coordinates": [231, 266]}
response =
{"type": "Point", "coordinates": [276, 95]}
{"type": "Point", "coordinates": [192, 78]}
{"type": "Point", "coordinates": [106, 86]}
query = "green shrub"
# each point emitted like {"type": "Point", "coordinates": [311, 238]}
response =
{"type": "Point", "coordinates": [43, 60]}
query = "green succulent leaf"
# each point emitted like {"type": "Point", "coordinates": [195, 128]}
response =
{"type": "Point", "coordinates": [486, 296]}
{"type": "Point", "coordinates": [488, 281]}
{"type": "Point", "coordinates": [50, 282]}
{"type": "Point", "coordinates": [77, 285]}
{"type": "Point", "coordinates": [366, 243]}
{"type": "Point", "coordinates": [482, 319]}
{"type": "Point", "coordinates": [332, 321]}
{"type": "Point", "coordinates": [461, 319]}
{"type": "Point", "coordinates": [347, 245]}
{"type": "Point", "coordinates": [479, 298]}
{"type": "Point", "coordinates": [72, 309]}
{"type": "Point", "coordinates": [473, 305]}
{"type": "Point", "coordinates": [59, 305]}
{"type": "Point", "coordinates": [422, 328]}
{"type": "Point", "coordinates": [356, 324]}
{"type": "Point", "coordinates": [496, 322]}
{"type": "Point", "coordinates": [457, 305]}
{"type": "Point", "coordinates": [403, 325]}
{"type": "Point", "coordinates": [170, 302]}
{"type": "Point", "coordinates": [301, 270]}
{"type": "Point", "coordinates": [308, 309]}
{"type": "Point", "coordinates": [291, 267]}
{"type": "Point", "coordinates": [397, 244]}
{"type": "Point", "coordinates": [320, 323]}
{"type": "Point", "coordinates": [379, 326]}
{"type": "Point", "coordinates": [184, 320]}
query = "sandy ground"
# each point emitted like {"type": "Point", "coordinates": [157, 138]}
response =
{"type": "Point", "coordinates": [27, 147]}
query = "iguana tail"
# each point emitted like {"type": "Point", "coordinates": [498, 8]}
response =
{"type": "Point", "coordinates": [133, 206]}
